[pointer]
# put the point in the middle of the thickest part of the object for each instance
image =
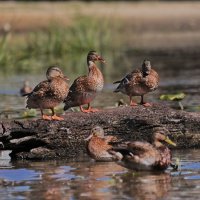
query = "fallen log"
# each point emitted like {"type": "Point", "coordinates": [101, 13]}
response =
{"type": "Point", "coordinates": [41, 139]}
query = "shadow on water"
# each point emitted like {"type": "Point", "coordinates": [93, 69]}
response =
{"type": "Point", "coordinates": [98, 180]}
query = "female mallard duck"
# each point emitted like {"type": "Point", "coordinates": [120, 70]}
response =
{"type": "Point", "coordinates": [145, 156]}
{"type": "Point", "coordinates": [99, 147]}
{"type": "Point", "coordinates": [49, 93]}
{"type": "Point", "coordinates": [138, 83]}
{"type": "Point", "coordinates": [85, 88]}
{"type": "Point", "coordinates": [26, 88]}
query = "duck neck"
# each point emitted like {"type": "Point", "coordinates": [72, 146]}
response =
{"type": "Point", "coordinates": [157, 144]}
{"type": "Point", "coordinates": [93, 70]}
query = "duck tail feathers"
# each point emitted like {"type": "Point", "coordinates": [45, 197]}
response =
{"type": "Point", "coordinates": [117, 90]}
{"type": "Point", "coordinates": [68, 104]}
{"type": "Point", "coordinates": [117, 82]}
{"type": "Point", "coordinates": [26, 94]}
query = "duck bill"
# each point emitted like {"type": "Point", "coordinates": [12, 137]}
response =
{"type": "Point", "coordinates": [169, 141]}
{"type": "Point", "coordinates": [88, 138]}
{"type": "Point", "coordinates": [101, 59]}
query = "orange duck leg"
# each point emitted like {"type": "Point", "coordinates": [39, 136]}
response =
{"type": "Point", "coordinates": [55, 117]}
{"type": "Point", "coordinates": [45, 117]}
{"type": "Point", "coordinates": [89, 109]}
{"type": "Point", "coordinates": [132, 103]}
{"type": "Point", "coordinates": [145, 104]}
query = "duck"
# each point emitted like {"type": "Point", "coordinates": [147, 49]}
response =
{"type": "Point", "coordinates": [100, 147]}
{"type": "Point", "coordinates": [155, 156]}
{"type": "Point", "coordinates": [26, 88]}
{"type": "Point", "coordinates": [49, 93]}
{"type": "Point", "coordinates": [138, 83]}
{"type": "Point", "coordinates": [85, 88]}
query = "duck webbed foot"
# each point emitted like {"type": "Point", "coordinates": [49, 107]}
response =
{"type": "Point", "coordinates": [94, 110]}
{"type": "Point", "coordinates": [145, 104]}
{"type": "Point", "coordinates": [88, 110]}
{"type": "Point", "coordinates": [132, 103]}
{"type": "Point", "coordinates": [46, 117]}
{"type": "Point", "coordinates": [55, 117]}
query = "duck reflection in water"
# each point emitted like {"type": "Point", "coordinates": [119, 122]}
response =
{"type": "Point", "coordinates": [142, 185]}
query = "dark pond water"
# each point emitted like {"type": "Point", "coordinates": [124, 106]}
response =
{"type": "Point", "coordinates": [96, 180]}
{"type": "Point", "coordinates": [90, 180]}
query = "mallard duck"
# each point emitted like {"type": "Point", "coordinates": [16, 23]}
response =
{"type": "Point", "coordinates": [139, 155]}
{"type": "Point", "coordinates": [26, 88]}
{"type": "Point", "coordinates": [49, 93]}
{"type": "Point", "coordinates": [84, 88]}
{"type": "Point", "coordinates": [138, 83]}
{"type": "Point", "coordinates": [99, 147]}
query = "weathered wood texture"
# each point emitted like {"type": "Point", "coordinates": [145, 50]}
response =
{"type": "Point", "coordinates": [40, 139]}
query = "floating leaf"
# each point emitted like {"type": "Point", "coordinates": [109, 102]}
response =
{"type": "Point", "coordinates": [173, 97]}
{"type": "Point", "coordinates": [29, 113]}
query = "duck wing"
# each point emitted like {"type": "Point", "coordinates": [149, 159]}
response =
{"type": "Point", "coordinates": [138, 155]}
{"type": "Point", "coordinates": [132, 78]}
{"type": "Point", "coordinates": [40, 90]}
{"type": "Point", "coordinates": [128, 77]}
{"type": "Point", "coordinates": [79, 92]}
{"type": "Point", "coordinates": [39, 93]}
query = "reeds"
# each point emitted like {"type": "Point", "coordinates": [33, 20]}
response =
{"type": "Point", "coordinates": [66, 46]}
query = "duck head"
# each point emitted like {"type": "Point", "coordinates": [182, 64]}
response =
{"type": "Point", "coordinates": [93, 57]}
{"type": "Point", "coordinates": [26, 83]}
{"type": "Point", "coordinates": [159, 136]}
{"type": "Point", "coordinates": [55, 72]}
{"type": "Point", "coordinates": [97, 131]}
{"type": "Point", "coordinates": [146, 67]}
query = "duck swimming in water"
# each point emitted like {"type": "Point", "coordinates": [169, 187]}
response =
{"type": "Point", "coordinates": [138, 83]}
{"type": "Point", "coordinates": [84, 89]}
{"type": "Point", "coordinates": [49, 93]}
{"type": "Point", "coordinates": [99, 146]}
{"type": "Point", "coordinates": [139, 155]}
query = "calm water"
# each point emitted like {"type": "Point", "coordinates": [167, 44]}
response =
{"type": "Point", "coordinates": [91, 180]}
{"type": "Point", "coordinates": [177, 74]}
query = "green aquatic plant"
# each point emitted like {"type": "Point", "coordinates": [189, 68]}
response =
{"type": "Point", "coordinates": [174, 97]}
{"type": "Point", "coordinates": [65, 46]}
{"type": "Point", "coordinates": [29, 113]}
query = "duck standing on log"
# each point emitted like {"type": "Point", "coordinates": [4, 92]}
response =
{"type": "Point", "coordinates": [99, 147]}
{"type": "Point", "coordinates": [138, 83]}
{"type": "Point", "coordinates": [139, 155]}
{"type": "Point", "coordinates": [84, 88]}
{"type": "Point", "coordinates": [49, 93]}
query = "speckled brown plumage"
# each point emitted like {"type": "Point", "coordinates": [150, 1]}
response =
{"type": "Point", "coordinates": [49, 93]}
{"type": "Point", "coordinates": [84, 88]}
{"type": "Point", "coordinates": [139, 82]}
{"type": "Point", "coordinates": [145, 156]}
{"type": "Point", "coordinates": [99, 147]}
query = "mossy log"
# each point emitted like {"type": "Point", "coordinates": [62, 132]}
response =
{"type": "Point", "coordinates": [41, 139]}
